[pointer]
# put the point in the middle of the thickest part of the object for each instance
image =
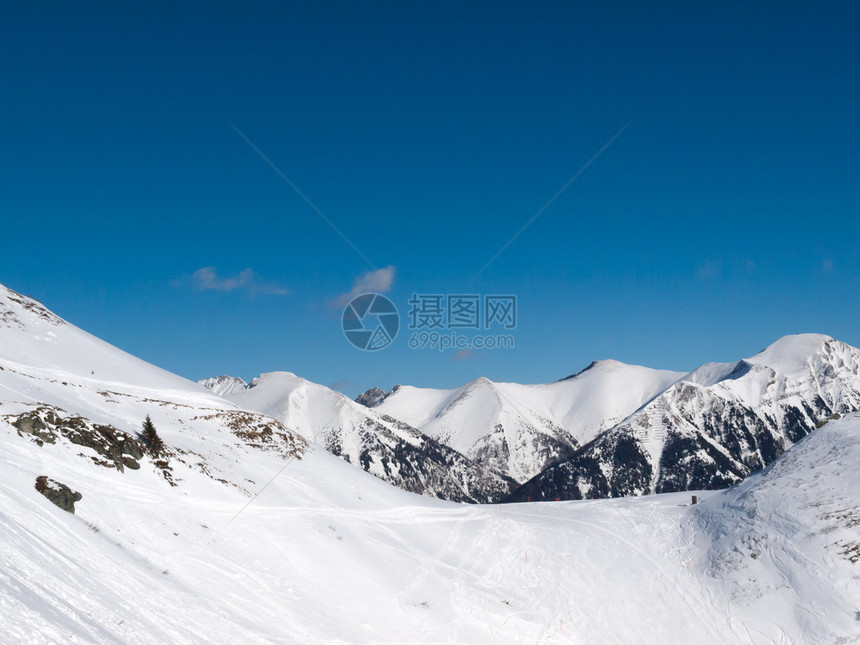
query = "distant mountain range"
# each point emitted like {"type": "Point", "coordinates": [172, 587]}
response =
{"type": "Point", "coordinates": [615, 430]}
{"type": "Point", "coordinates": [611, 430]}
{"type": "Point", "coordinates": [380, 444]}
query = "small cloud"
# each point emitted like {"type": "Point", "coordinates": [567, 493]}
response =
{"type": "Point", "coordinates": [826, 265]}
{"type": "Point", "coordinates": [749, 265]}
{"type": "Point", "coordinates": [709, 270]}
{"type": "Point", "coordinates": [343, 384]}
{"type": "Point", "coordinates": [378, 281]}
{"type": "Point", "coordinates": [463, 355]}
{"type": "Point", "coordinates": [206, 279]}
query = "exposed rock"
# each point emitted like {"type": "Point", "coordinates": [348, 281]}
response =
{"type": "Point", "coordinates": [614, 465]}
{"type": "Point", "coordinates": [128, 462]}
{"type": "Point", "coordinates": [57, 493]}
{"type": "Point", "coordinates": [224, 385]}
{"type": "Point", "coordinates": [373, 397]}
{"type": "Point", "coordinates": [401, 455]}
{"type": "Point", "coordinates": [260, 431]}
{"type": "Point", "coordinates": [45, 424]}
{"type": "Point", "coordinates": [9, 316]}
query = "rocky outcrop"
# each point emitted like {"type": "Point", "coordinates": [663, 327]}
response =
{"type": "Point", "coordinates": [46, 423]}
{"type": "Point", "coordinates": [14, 300]}
{"type": "Point", "coordinates": [372, 397]}
{"type": "Point", "coordinates": [260, 432]}
{"type": "Point", "coordinates": [224, 385]}
{"type": "Point", "coordinates": [57, 493]}
{"type": "Point", "coordinates": [399, 454]}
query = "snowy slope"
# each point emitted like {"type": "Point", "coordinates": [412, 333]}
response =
{"type": "Point", "coordinates": [783, 547]}
{"type": "Point", "coordinates": [329, 554]}
{"type": "Point", "coordinates": [385, 447]}
{"type": "Point", "coordinates": [522, 429]}
{"type": "Point", "coordinates": [35, 337]}
{"type": "Point", "coordinates": [63, 389]}
{"type": "Point", "coordinates": [715, 426]}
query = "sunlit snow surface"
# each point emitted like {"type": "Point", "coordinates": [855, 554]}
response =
{"type": "Point", "coordinates": [329, 553]}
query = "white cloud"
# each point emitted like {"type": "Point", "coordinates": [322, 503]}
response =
{"type": "Point", "coordinates": [463, 355]}
{"type": "Point", "coordinates": [378, 281]}
{"type": "Point", "coordinates": [206, 279]}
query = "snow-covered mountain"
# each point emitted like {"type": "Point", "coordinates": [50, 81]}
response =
{"type": "Point", "coordinates": [714, 426]}
{"type": "Point", "coordinates": [65, 390]}
{"type": "Point", "coordinates": [388, 448]}
{"type": "Point", "coordinates": [520, 430]}
{"type": "Point", "coordinates": [243, 532]}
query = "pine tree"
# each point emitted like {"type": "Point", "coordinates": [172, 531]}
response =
{"type": "Point", "coordinates": [151, 440]}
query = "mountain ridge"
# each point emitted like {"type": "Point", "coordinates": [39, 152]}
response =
{"type": "Point", "coordinates": [715, 428]}
{"type": "Point", "coordinates": [614, 429]}
{"type": "Point", "coordinates": [379, 444]}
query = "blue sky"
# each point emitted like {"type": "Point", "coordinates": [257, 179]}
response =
{"type": "Point", "coordinates": [724, 216]}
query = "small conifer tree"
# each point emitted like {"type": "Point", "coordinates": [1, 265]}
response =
{"type": "Point", "coordinates": [149, 436]}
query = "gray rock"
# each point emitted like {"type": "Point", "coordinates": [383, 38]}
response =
{"type": "Point", "coordinates": [44, 425]}
{"type": "Point", "coordinates": [59, 494]}
{"type": "Point", "coordinates": [29, 424]}
{"type": "Point", "coordinates": [372, 398]}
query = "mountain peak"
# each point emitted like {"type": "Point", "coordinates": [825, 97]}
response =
{"type": "Point", "coordinates": [223, 385]}
{"type": "Point", "coordinates": [482, 380]}
{"type": "Point", "coordinates": [277, 376]}
{"type": "Point", "coordinates": [791, 353]}
{"type": "Point", "coordinates": [372, 397]}
{"type": "Point", "coordinates": [605, 363]}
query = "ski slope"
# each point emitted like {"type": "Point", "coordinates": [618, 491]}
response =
{"type": "Point", "coordinates": [783, 546]}
{"type": "Point", "coordinates": [330, 554]}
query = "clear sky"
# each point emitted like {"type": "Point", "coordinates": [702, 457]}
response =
{"type": "Point", "coordinates": [724, 216]}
